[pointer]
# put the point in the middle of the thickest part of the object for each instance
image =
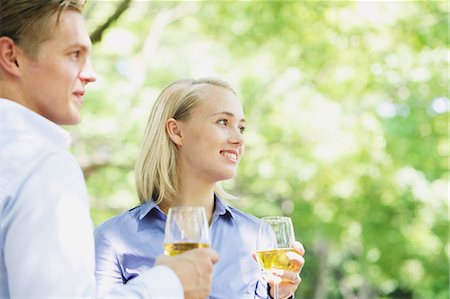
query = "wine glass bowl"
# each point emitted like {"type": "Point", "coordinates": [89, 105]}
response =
{"type": "Point", "coordinates": [277, 259]}
{"type": "Point", "coordinates": [186, 228]}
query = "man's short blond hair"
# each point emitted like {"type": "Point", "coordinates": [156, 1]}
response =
{"type": "Point", "coordinates": [31, 22]}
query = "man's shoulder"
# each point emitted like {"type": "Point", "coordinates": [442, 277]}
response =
{"type": "Point", "coordinates": [28, 155]}
{"type": "Point", "coordinates": [25, 144]}
{"type": "Point", "coordinates": [26, 151]}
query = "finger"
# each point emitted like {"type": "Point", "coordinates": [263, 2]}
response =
{"type": "Point", "coordinates": [297, 281]}
{"type": "Point", "coordinates": [298, 247]}
{"type": "Point", "coordinates": [284, 274]}
{"type": "Point", "coordinates": [210, 253]}
{"type": "Point", "coordinates": [277, 272]}
{"type": "Point", "coordinates": [254, 256]}
{"type": "Point", "coordinates": [297, 261]}
{"type": "Point", "coordinates": [292, 277]}
{"type": "Point", "coordinates": [272, 278]}
{"type": "Point", "coordinates": [214, 256]}
{"type": "Point", "coordinates": [288, 276]}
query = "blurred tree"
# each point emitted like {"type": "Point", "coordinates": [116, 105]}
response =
{"type": "Point", "coordinates": [347, 104]}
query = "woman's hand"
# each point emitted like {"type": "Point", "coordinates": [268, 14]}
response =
{"type": "Point", "coordinates": [288, 281]}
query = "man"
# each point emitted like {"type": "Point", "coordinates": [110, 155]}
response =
{"type": "Point", "coordinates": [46, 237]}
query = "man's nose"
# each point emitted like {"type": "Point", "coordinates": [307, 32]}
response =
{"type": "Point", "coordinates": [88, 73]}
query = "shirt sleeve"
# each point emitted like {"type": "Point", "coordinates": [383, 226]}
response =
{"type": "Point", "coordinates": [49, 243]}
{"type": "Point", "coordinates": [110, 283]}
{"type": "Point", "coordinates": [164, 284]}
{"type": "Point", "coordinates": [262, 290]}
{"type": "Point", "coordinates": [107, 268]}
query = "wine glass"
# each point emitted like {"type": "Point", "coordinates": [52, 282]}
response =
{"type": "Point", "coordinates": [275, 238]}
{"type": "Point", "coordinates": [186, 228]}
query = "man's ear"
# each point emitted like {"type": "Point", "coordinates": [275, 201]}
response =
{"type": "Point", "coordinates": [9, 53]}
{"type": "Point", "coordinates": [174, 131]}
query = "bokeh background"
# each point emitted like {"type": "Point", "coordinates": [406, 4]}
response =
{"type": "Point", "coordinates": [347, 106]}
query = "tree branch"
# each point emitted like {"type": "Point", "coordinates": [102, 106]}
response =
{"type": "Point", "coordinates": [93, 166]}
{"type": "Point", "coordinates": [96, 36]}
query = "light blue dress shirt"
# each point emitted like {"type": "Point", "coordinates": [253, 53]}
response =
{"type": "Point", "coordinates": [46, 233]}
{"type": "Point", "coordinates": [129, 243]}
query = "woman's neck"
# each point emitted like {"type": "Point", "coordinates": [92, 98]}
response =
{"type": "Point", "coordinates": [193, 195]}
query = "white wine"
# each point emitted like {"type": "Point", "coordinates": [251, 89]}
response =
{"type": "Point", "coordinates": [171, 249]}
{"type": "Point", "coordinates": [276, 259]}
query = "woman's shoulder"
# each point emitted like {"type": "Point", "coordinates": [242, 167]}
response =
{"type": "Point", "coordinates": [119, 221]}
{"type": "Point", "coordinates": [243, 217]}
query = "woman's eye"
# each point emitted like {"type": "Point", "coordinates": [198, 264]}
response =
{"type": "Point", "coordinates": [223, 122]}
{"type": "Point", "coordinates": [242, 129]}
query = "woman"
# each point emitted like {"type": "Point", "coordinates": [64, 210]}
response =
{"type": "Point", "coordinates": [193, 140]}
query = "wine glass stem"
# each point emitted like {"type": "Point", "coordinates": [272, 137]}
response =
{"type": "Point", "coordinates": [275, 291]}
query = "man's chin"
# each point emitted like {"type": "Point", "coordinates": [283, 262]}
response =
{"type": "Point", "coordinates": [70, 121]}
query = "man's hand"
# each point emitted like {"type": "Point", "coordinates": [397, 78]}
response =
{"type": "Point", "coordinates": [194, 269]}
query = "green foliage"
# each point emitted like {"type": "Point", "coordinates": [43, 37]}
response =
{"type": "Point", "coordinates": [347, 106]}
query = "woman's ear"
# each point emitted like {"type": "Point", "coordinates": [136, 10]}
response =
{"type": "Point", "coordinates": [174, 131]}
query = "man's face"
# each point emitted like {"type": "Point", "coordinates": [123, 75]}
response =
{"type": "Point", "coordinates": [54, 82]}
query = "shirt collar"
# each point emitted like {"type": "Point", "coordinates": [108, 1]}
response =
{"type": "Point", "coordinates": [19, 118]}
{"type": "Point", "coordinates": [147, 207]}
{"type": "Point", "coordinates": [221, 208]}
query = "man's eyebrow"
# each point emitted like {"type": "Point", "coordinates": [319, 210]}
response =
{"type": "Point", "coordinates": [229, 114]}
{"type": "Point", "coordinates": [84, 47]}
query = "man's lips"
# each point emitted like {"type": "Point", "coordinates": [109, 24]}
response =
{"type": "Point", "coordinates": [79, 95]}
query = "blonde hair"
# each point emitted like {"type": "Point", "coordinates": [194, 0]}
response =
{"type": "Point", "coordinates": [156, 173]}
{"type": "Point", "coordinates": [31, 22]}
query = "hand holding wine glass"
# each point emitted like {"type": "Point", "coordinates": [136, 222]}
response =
{"type": "Point", "coordinates": [279, 255]}
{"type": "Point", "coordinates": [186, 228]}
{"type": "Point", "coordinates": [192, 267]}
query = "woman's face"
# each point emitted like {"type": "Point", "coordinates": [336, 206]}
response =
{"type": "Point", "coordinates": [212, 140]}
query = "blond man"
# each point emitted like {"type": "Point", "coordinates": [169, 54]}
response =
{"type": "Point", "coordinates": [46, 234]}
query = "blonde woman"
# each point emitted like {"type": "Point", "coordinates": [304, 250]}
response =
{"type": "Point", "coordinates": [193, 140]}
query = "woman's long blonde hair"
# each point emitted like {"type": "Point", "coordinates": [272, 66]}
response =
{"type": "Point", "coordinates": [156, 172]}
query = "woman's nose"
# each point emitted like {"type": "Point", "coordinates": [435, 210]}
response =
{"type": "Point", "coordinates": [237, 137]}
